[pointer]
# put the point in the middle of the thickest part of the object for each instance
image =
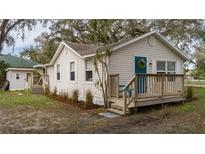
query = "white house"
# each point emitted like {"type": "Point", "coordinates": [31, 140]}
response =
{"type": "Point", "coordinates": [72, 68]}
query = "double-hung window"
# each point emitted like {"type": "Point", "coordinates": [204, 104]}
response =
{"type": "Point", "coordinates": [166, 67]}
{"type": "Point", "coordinates": [88, 70]}
{"type": "Point", "coordinates": [58, 71]}
{"type": "Point", "coordinates": [171, 70]}
{"type": "Point", "coordinates": [161, 67]}
{"type": "Point", "coordinates": [170, 67]}
{"type": "Point", "coordinates": [72, 71]}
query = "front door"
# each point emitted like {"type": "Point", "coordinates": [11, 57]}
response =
{"type": "Point", "coordinates": [141, 67]}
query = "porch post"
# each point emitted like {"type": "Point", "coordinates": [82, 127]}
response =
{"type": "Point", "coordinates": [117, 86]}
{"type": "Point", "coordinates": [183, 85]}
{"type": "Point", "coordinates": [125, 101]}
{"type": "Point", "coordinates": [136, 87]}
{"type": "Point", "coordinates": [162, 85]}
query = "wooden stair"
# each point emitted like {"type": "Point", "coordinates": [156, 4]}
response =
{"type": "Point", "coordinates": [36, 89]}
{"type": "Point", "coordinates": [115, 106]}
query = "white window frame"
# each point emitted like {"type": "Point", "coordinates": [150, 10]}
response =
{"type": "Point", "coordinates": [161, 71]}
{"type": "Point", "coordinates": [88, 70]}
{"type": "Point", "coordinates": [171, 72]}
{"type": "Point", "coordinates": [18, 76]}
{"type": "Point", "coordinates": [57, 72]}
{"type": "Point", "coordinates": [75, 70]}
{"type": "Point", "coordinates": [166, 71]}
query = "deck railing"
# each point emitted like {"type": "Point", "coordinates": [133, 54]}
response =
{"type": "Point", "coordinates": [144, 86]}
{"type": "Point", "coordinates": [42, 80]}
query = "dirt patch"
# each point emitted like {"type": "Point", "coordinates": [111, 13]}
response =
{"type": "Point", "coordinates": [79, 104]}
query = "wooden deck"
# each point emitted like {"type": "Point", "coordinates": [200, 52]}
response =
{"type": "Point", "coordinates": [146, 90]}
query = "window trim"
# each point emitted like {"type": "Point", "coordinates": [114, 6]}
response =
{"type": "Point", "coordinates": [174, 67]}
{"type": "Point", "coordinates": [166, 67]}
{"type": "Point", "coordinates": [57, 72]}
{"type": "Point", "coordinates": [162, 71]}
{"type": "Point", "coordinates": [74, 70]}
{"type": "Point", "coordinates": [86, 70]}
{"type": "Point", "coordinates": [18, 76]}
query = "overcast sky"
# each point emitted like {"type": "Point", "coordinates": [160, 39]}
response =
{"type": "Point", "coordinates": [29, 40]}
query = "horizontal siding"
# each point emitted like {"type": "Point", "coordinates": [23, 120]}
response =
{"type": "Point", "coordinates": [19, 84]}
{"type": "Point", "coordinates": [122, 60]}
{"type": "Point", "coordinates": [65, 85]}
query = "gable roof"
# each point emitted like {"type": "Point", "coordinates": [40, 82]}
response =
{"type": "Point", "coordinates": [83, 49]}
{"type": "Point", "coordinates": [17, 62]}
{"type": "Point", "coordinates": [160, 37]}
{"type": "Point", "coordinates": [89, 50]}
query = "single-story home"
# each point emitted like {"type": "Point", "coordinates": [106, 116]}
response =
{"type": "Point", "coordinates": [72, 67]}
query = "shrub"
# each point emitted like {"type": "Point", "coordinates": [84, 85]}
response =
{"type": "Point", "coordinates": [190, 92]}
{"type": "Point", "coordinates": [75, 96]}
{"type": "Point", "coordinates": [55, 91]}
{"type": "Point", "coordinates": [69, 98]}
{"type": "Point", "coordinates": [65, 95]}
{"type": "Point", "coordinates": [89, 99]}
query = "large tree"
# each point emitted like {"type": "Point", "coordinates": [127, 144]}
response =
{"type": "Point", "coordinates": [10, 29]}
{"type": "Point", "coordinates": [199, 57]}
{"type": "Point", "coordinates": [185, 34]}
{"type": "Point", "coordinates": [43, 51]}
{"type": "Point", "coordinates": [3, 67]}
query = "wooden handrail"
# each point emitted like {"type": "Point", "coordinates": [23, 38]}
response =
{"type": "Point", "coordinates": [166, 84]}
{"type": "Point", "coordinates": [151, 74]}
{"type": "Point", "coordinates": [129, 83]}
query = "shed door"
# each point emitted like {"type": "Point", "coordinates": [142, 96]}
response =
{"type": "Point", "coordinates": [141, 67]}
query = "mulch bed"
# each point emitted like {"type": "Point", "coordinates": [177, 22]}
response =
{"type": "Point", "coordinates": [79, 104]}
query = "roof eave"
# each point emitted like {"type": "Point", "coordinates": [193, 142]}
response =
{"type": "Point", "coordinates": [177, 51]}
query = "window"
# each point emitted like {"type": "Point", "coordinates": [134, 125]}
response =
{"type": "Point", "coordinates": [58, 71]}
{"type": "Point", "coordinates": [167, 67]}
{"type": "Point", "coordinates": [17, 76]}
{"type": "Point", "coordinates": [88, 70]}
{"type": "Point", "coordinates": [161, 67]}
{"type": "Point", "coordinates": [72, 71]}
{"type": "Point", "coordinates": [171, 70]}
{"type": "Point", "coordinates": [170, 67]}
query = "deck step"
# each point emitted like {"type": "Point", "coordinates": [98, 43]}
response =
{"type": "Point", "coordinates": [35, 89]}
{"type": "Point", "coordinates": [115, 111]}
{"type": "Point", "coordinates": [112, 105]}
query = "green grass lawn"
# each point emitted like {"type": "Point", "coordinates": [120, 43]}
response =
{"type": "Point", "coordinates": [198, 105]}
{"type": "Point", "coordinates": [24, 98]}
{"type": "Point", "coordinates": [194, 82]}
{"type": "Point", "coordinates": [23, 112]}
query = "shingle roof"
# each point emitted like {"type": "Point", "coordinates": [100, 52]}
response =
{"type": "Point", "coordinates": [83, 49]}
{"type": "Point", "coordinates": [15, 61]}
{"type": "Point", "coordinates": [87, 49]}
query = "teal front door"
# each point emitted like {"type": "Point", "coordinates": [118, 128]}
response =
{"type": "Point", "coordinates": [141, 67]}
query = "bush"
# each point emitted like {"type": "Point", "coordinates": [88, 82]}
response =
{"type": "Point", "coordinates": [190, 92]}
{"type": "Point", "coordinates": [75, 96]}
{"type": "Point", "coordinates": [55, 91]}
{"type": "Point", "coordinates": [89, 99]}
